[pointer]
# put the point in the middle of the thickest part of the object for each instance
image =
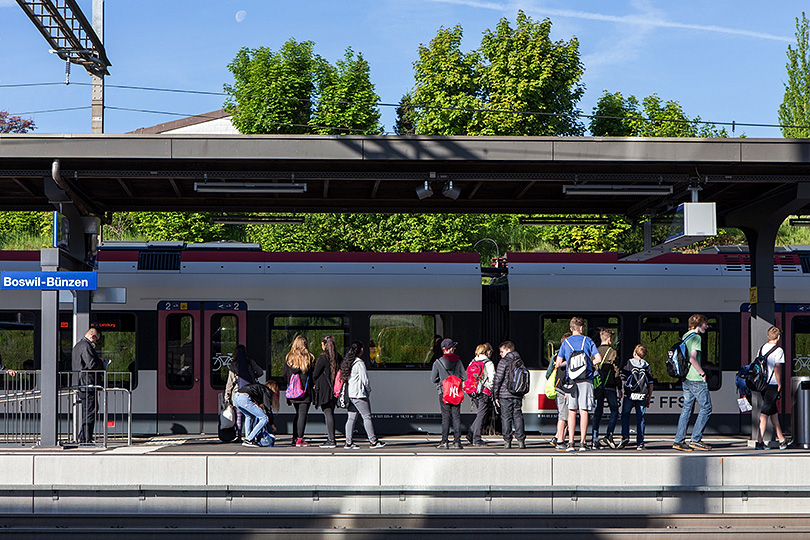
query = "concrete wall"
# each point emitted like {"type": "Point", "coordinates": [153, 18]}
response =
{"type": "Point", "coordinates": [369, 483]}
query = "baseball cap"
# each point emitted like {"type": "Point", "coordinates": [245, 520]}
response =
{"type": "Point", "coordinates": [448, 343]}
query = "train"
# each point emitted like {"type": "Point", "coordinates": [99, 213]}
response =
{"type": "Point", "coordinates": [171, 314]}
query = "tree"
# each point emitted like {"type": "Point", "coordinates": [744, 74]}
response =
{"type": "Point", "coordinates": [794, 112]}
{"type": "Point", "coordinates": [15, 124]}
{"type": "Point", "coordinates": [489, 90]}
{"type": "Point", "coordinates": [347, 101]}
{"type": "Point", "coordinates": [406, 116]}
{"type": "Point", "coordinates": [617, 116]}
{"type": "Point", "coordinates": [296, 91]}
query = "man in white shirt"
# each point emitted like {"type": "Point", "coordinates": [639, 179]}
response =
{"type": "Point", "coordinates": [775, 357]}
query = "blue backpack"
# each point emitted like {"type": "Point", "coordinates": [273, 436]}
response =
{"type": "Point", "coordinates": [265, 438]}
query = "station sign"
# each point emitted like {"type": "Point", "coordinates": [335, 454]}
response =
{"type": "Point", "coordinates": [48, 281]}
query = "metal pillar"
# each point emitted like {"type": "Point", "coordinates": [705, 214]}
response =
{"type": "Point", "coordinates": [49, 353]}
{"type": "Point", "coordinates": [97, 103]}
{"type": "Point", "coordinates": [760, 221]}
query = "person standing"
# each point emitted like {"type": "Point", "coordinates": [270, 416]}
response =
{"type": "Point", "coordinates": [323, 390]}
{"type": "Point", "coordinates": [637, 380]}
{"type": "Point", "coordinates": [558, 441]}
{"type": "Point", "coordinates": [298, 364]}
{"type": "Point", "coordinates": [353, 372]}
{"type": "Point", "coordinates": [482, 400]}
{"type": "Point", "coordinates": [606, 390]}
{"type": "Point", "coordinates": [511, 405]}
{"type": "Point", "coordinates": [444, 366]}
{"type": "Point", "coordinates": [578, 354]}
{"type": "Point", "coordinates": [695, 389]}
{"type": "Point", "coordinates": [775, 357]}
{"type": "Point", "coordinates": [86, 360]}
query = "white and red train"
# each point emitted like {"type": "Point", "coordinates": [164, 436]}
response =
{"type": "Point", "coordinates": [172, 313]}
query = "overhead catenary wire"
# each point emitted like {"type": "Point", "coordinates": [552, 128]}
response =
{"type": "Point", "coordinates": [733, 124]}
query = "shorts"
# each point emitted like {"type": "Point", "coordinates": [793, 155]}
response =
{"type": "Point", "coordinates": [770, 398]}
{"type": "Point", "coordinates": [581, 396]}
{"type": "Point", "coordinates": [562, 406]}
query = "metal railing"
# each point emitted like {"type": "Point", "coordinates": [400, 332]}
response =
{"type": "Point", "coordinates": [20, 406]}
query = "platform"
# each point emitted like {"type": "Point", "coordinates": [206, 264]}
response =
{"type": "Point", "coordinates": [199, 475]}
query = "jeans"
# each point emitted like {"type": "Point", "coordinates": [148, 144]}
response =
{"type": "Point", "coordinates": [512, 417]}
{"type": "Point", "coordinates": [450, 412]}
{"type": "Point", "coordinates": [252, 414]}
{"type": "Point", "coordinates": [483, 404]}
{"type": "Point", "coordinates": [694, 391]}
{"type": "Point", "coordinates": [641, 408]}
{"type": "Point", "coordinates": [613, 403]}
{"type": "Point", "coordinates": [362, 406]}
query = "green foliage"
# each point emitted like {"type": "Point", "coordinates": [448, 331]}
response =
{"type": "Point", "coordinates": [347, 101]}
{"type": "Point", "coordinates": [617, 116]}
{"type": "Point", "coordinates": [406, 116]}
{"type": "Point", "coordinates": [296, 91]}
{"type": "Point", "coordinates": [514, 69]}
{"type": "Point", "coordinates": [794, 112]}
{"type": "Point", "coordinates": [15, 124]}
{"type": "Point", "coordinates": [25, 230]}
{"type": "Point", "coordinates": [178, 226]}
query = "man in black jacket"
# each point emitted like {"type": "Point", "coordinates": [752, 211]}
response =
{"type": "Point", "coordinates": [511, 405]}
{"type": "Point", "coordinates": [84, 358]}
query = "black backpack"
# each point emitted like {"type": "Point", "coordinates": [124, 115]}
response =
{"type": "Point", "coordinates": [518, 379]}
{"type": "Point", "coordinates": [678, 360]}
{"type": "Point", "coordinates": [757, 376]}
{"type": "Point", "coordinates": [637, 385]}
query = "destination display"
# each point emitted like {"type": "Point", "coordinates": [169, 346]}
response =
{"type": "Point", "coordinates": [48, 281]}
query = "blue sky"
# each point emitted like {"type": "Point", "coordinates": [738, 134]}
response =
{"type": "Point", "coordinates": [722, 60]}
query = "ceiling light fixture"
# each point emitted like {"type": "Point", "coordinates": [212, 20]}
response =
{"type": "Point", "coordinates": [249, 220]}
{"type": "Point", "coordinates": [614, 189]}
{"type": "Point", "coordinates": [450, 191]}
{"type": "Point", "coordinates": [563, 221]}
{"type": "Point", "coordinates": [799, 222]}
{"type": "Point", "coordinates": [248, 187]}
{"type": "Point", "coordinates": [425, 191]}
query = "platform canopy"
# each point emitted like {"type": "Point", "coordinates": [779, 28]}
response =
{"type": "Point", "coordinates": [288, 173]}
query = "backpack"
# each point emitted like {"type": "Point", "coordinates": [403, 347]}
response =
{"type": "Point", "coordinates": [452, 393]}
{"type": "Point", "coordinates": [677, 359]}
{"type": "Point", "coordinates": [551, 385]}
{"type": "Point", "coordinates": [343, 400]}
{"type": "Point", "coordinates": [338, 386]}
{"type": "Point", "coordinates": [265, 438]}
{"type": "Point", "coordinates": [295, 389]}
{"type": "Point", "coordinates": [518, 379]}
{"type": "Point", "coordinates": [637, 385]}
{"type": "Point", "coordinates": [474, 385]}
{"type": "Point", "coordinates": [757, 376]}
{"type": "Point", "coordinates": [577, 362]}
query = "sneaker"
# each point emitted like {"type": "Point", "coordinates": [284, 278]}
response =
{"type": "Point", "coordinates": [760, 446]}
{"type": "Point", "coordinates": [783, 445]}
{"type": "Point", "coordinates": [522, 444]}
{"type": "Point", "coordinates": [301, 442]}
{"type": "Point", "coordinates": [623, 444]}
{"type": "Point", "coordinates": [351, 446]}
{"type": "Point", "coordinates": [249, 443]}
{"type": "Point", "coordinates": [378, 444]}
{"type": "Point", "coordinates": [457, 445]}
{"type": "Point", "coordinates": [469, 437]}
{"type": "Point", "coordinates": [329, 445]}
{"type": "Point", "coordinates": [570, 447]}
{"type": "Point", "coordinates": [682, 446]}
{"type": "Point", "coordinates": [480, 444]}
{"type": "Point", "coordinates": [699, 445]}
{"type": "Point", "coordinates": [562, 447]}
{"type": "Point", "coordinates": [596, 445]}
{"type": "Point", "coordinates": [584, 447]}
{"type": "Point", "coordinates": [444, 445]}
{"type": "Point", "coordinates": [507, 444]}
{"type": "Point", "coordinates": [553, 441]}
{"type": "Point", "coordinates": [640, 446]}
{"type": "Point", "coordinates": [607, 442]}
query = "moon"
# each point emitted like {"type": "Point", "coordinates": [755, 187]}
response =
{"type": "Point", "coordinates": [240, 15]}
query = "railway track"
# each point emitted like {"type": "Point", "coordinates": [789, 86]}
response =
{"type": "Point", "coordinates": [261, 527]}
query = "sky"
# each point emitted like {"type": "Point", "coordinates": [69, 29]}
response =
{"type": "Point", "coordinates": [722, 60]}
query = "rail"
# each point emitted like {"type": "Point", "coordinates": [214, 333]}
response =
{"type": "Point", "coordinates": [21, 399]}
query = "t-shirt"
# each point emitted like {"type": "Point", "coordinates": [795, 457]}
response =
{"type": "Point", "coordinates": [579, 343]}
{"type": "Point", "coordinates": [776, 357]}
{"type": "Point", "coordinates": [693, 343]}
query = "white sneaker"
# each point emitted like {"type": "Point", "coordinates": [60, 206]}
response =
{"type": "Point", "coordinates": [378, 444]}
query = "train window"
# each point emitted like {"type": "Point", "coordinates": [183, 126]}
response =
{"type": "Point", "coordinates": [800, 336]}
{"type": "Point", "coordinates": [117, 344]}
{"type": "Point", "coordinates": [660, 333]}
{"type": "Point", "coordinates": [405, 339]}
{"type": "Point", "coordinates": [179, 351]}
{"type": "Point", "coordinates": [284, 328]}
{"type": "Point", "coordinates": [553, 327]}
{"type": "Point", "coordinates": [17, 340]}
{"type": "Point", "coordinates": [224, 337]}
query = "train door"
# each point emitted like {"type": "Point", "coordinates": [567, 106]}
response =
{"type": "Point", "coordinates": [196, 341]}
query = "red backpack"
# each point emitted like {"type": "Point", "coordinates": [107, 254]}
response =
{"type": "Point", "coordinates": [474, 385]}
{"type": "Point", "coordinates": [452, 393]}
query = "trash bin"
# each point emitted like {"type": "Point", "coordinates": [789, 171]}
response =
{"type": "Point", "coordinates": [800, 413]}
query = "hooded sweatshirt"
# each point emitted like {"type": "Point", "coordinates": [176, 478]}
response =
{"type": "Point", "coordinates": [445, 366]}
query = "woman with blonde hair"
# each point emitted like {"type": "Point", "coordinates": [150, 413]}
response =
{"type": "Point", "coordinates": [297, 373]}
